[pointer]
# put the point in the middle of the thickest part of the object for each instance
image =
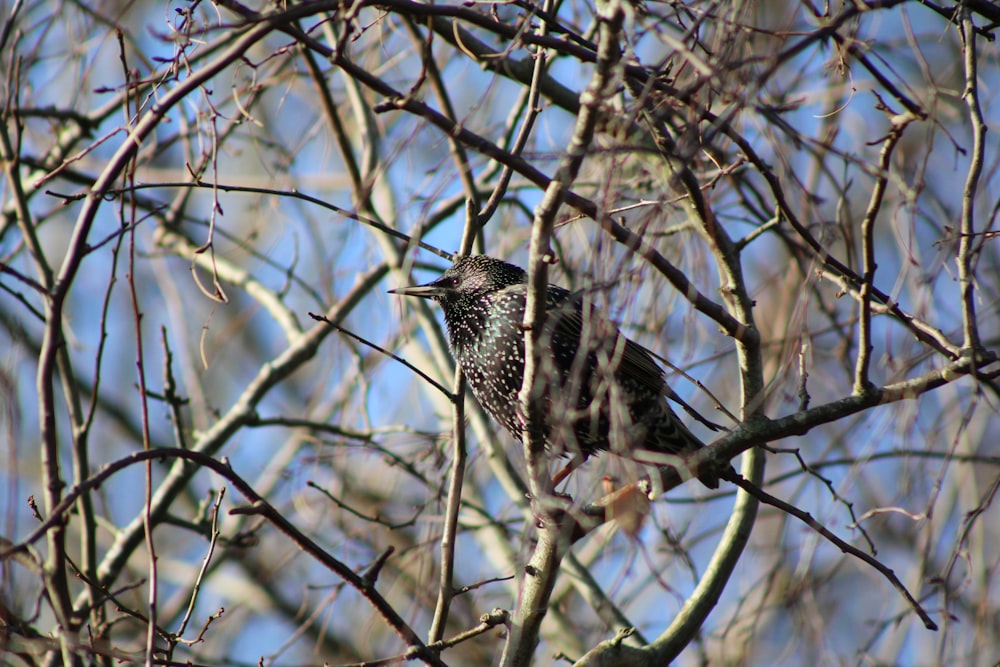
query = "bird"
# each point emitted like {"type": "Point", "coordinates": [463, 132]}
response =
{"type": "Point", "coordinates": [601, 390]}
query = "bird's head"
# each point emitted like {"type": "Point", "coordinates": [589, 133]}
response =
{"type": "Point", "coordinates": [470, 277]}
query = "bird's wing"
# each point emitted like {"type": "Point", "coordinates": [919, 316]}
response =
{"type": "Point", "coordinates": [634, 363]}
{"type": "Point", "coordinates": [638, 364]}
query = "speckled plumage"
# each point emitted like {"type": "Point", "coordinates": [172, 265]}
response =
{"type": "Point", "coordinates": [601, 390]}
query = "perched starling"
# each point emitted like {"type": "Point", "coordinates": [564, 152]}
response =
{"type": "Point", "coordinates": [601, 390]}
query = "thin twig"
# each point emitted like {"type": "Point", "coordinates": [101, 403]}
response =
{"type": "Point", "coordinates": [898, 124]}
{"type": "Point", "coordinates": [434, 383]}
{"type": "Point", "coordinates": [966, 241]}
{"type": "Point", "coordinates": [808, 519]}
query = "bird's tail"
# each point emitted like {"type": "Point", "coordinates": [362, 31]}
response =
{"type": "Point", "coordinates": [670, 441]}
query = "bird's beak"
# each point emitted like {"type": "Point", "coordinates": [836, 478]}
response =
{"type": "Point", "coordinates": [428, 291]}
